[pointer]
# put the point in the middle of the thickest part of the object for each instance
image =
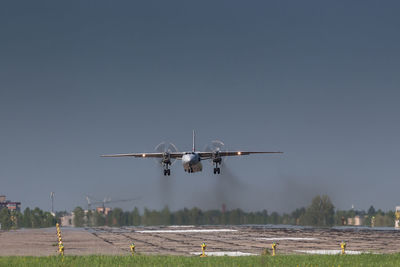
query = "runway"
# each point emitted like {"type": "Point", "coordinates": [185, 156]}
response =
{"type": "Point", "coordinates": [186, 240]}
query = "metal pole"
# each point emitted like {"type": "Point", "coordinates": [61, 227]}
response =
{"type": "Point", "coordinates": [52, 202]}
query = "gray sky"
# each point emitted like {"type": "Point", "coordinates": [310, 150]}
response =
{"type": "Point", "coordinates": [318, 80]}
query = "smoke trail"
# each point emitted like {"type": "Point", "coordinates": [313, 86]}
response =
{"type": "Point", "coordinates": [165, 190]}
{"type": "Point", "coordinates": [229, 188]}
{"type": "Point", "coordinates": [225, 188]}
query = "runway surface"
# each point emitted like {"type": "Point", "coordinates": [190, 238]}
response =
{"type": "Point", "coordinates": [186, 240]}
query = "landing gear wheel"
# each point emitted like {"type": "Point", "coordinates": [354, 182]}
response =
{"type": "Point", "coordinates": [167, 170]}
{"type": "Point", "coordinates": [216, 168]}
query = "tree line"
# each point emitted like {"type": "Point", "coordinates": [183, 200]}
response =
{"type": "Point", "coordinates": [35, 218]}
{"type": "Point", "coordinates": [321, 212]}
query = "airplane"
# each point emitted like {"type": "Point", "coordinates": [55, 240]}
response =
{"type": "Point", "coordinates": [191, 160]}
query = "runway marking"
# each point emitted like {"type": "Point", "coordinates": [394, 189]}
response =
{"type": "Point", "coordinates": [187, 231]}
{"type": "Point", "coordinates": [287, 238]}
{"type": "Point", "coordinates": [181, 226]}
{"type": "Point", "coordinates": [329, 252]}
{"type": "Point", "coordinates": [225, 253]}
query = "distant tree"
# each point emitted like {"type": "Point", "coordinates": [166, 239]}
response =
{"type": "Point", "coordinates": [214, 217]}
{"type": "Point", "coordinates": [341, 217]}
{"type": "Point", "coordinates": [195, 216]}
{"type": "Point", "coordinates": [390, 218]}
{"type": "Point", "coordinates": [380, 212]}
{"type": "Point", "coordinates": [48, 220]}
{"type": "Point", "coordinates": [89, 218]}
{"type": "Point", "coordinates": [109, 218]}
{"type": "Point", "coordinates": [127, 218]}
{"type": "Point", "coordinates": [384, 220]}
{"type": "Point", "coordinates": [5, 219]}
{"type": "Point", "coordinates": [136, 217]}
{"type": "Point", "coordinates": [273, 218]}
{"type": "Point", "coordinates": [79, 217]}
{"type": "Point", "coordinates": [185, 216]}
{"type": "Point", "coordinates": [179, 217]}
{"type": "Point", "coordinates": [146, 216]}
{"type": "Point", "coordinates": [234, 216]}
{"type": "Point", "coordinates": [98, 219]}
{"type": "Point", "coordinates": [27, 218]}
{"type": "Point", "coordinates": [37, 218]}
{"type": "Point", "coordinates": [264, 217]}
{"type": "Point", "coordinates": [297, 214]}
{"type": "Point", "coordinates": [151, 217]}
{"type": "Point", "coordinates": [165, 216]}
{"type": "Point", "coordinates": [19, 219]}
{"type": "Point", "coordinates": [285, 219]}
{"type": "Point", "coordinates": [117, 217]}
{"type": "Point", "coordinates": [371, 211]}
{"type": "Point", "coordinates": [261, 217]}
{"type": "Point", "coordinates": [221, 217]}
{"type": "Point", "coordinates": [320, 212]}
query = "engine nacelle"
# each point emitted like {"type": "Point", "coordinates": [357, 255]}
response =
{"type": "Point", "coordinates": [216, 158]}
{"type": "Point", "coordinates": [166, 158]}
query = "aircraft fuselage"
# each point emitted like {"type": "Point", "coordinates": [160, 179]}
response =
{"type": "Point", "coordinates": [191, 162]}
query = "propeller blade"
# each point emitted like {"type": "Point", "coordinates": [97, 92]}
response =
{"type": "Point", "coordinates": [167, 148]}
{"type": "Point", "coordinates": [160, 148]}
{"type": "Point", "coordinates": [214, 147]}
{"type": "Point", "coordinates": [172, 148]}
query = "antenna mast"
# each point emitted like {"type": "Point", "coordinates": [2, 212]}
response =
{"type": "Point", "coordinates": [194, 142]}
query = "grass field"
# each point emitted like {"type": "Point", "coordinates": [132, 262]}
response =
{"type": "Point", "coordinates": [140, 260]}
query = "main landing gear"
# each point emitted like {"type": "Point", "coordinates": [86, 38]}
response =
{"type": "Point", "coordinates": [217, 170]}
{"type": "Point", "coordinates": [190, 170]}
{"type": "Point", "coordinates": [167, 170]}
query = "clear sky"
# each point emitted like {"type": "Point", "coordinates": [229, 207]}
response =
{"type": "Point", "coordinates": [318, 80]}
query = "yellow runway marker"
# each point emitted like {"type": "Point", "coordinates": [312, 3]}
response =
{"type": "Point", "coordinates": [203, 250]}
{"type": "Point", "coordinates": [132, 246]}
{"type": "Point", "coordinates": [343, 247]}
{"type": "Point", "coordinates": [273, 249]}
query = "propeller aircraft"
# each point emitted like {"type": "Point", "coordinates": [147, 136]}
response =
{"type": "Point", "coordinates": [191, 161]}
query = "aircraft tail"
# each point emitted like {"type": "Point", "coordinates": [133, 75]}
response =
{"type": "Point", "coordinates": [194, 142]}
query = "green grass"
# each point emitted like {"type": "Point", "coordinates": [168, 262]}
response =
{"type": "Point", "coordinates": [141, 260]}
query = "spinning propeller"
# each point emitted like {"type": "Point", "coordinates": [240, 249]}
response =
{"type": "Point", "coordinates": [166, 149]}
{"type": "Point", "coordinates": [215, 147]}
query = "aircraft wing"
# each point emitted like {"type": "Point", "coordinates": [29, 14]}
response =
{"type": "Point", "coordinates": [236, 153]}
{"type": "Point", "coordinates": [242, 153]}
{"type": "Point", "coordinates": [173, 155]}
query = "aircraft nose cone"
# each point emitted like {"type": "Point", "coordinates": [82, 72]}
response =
{"type": "Point", "coordinates": [190, 159]}
{"type": "Point", "coordinates": [194, 159]}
